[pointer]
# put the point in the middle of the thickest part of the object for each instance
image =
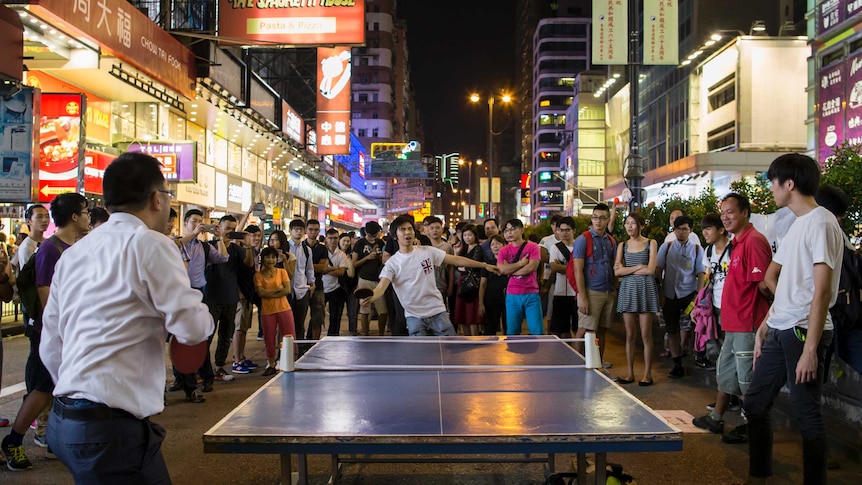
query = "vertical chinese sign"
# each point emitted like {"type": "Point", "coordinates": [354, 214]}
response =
{"type": "Point", "coordinates": [333, 100]}
{"type": "Point", "coordinates": [830, 94]}
{"type": "Point", "coordinates": [61, 144]}
{"type": "Point", "coordinates": [853, 97]}
{"type": "Point", "coordinates": [610, 31]}
{"type": "Point", "coordinates": [829, 14]}
{"type": "Point", "coordinates": [661, 35]}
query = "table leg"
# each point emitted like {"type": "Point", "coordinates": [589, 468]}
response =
{"type": "Point", "coordinates": [552, 464]}
{"type": "Point", "coordinates": [302, 464]}
{"type": "Point", "coordinates": [601, 468]}
{"type": "Point", "coordinates": [286, 470]}
{"type": "Point", "coordinates": [582, 468]}
{"type": "Point", "coordinates": [335, 472]}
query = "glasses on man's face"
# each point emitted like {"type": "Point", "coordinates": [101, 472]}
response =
{"type": "Point", "coordinates": [508, 229]}
{"type": "Point", "coordinates": [170, 193]}
{"type": "Point", "coordinates": [599, 218]}
{"type": "Point", "coordinates": [565, 229]}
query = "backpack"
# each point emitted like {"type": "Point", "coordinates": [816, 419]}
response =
{"type": "Point", "coordinates": [570, 266]}
{"type": "Point", "coordinates": [847, 311]}
{"type": "Point", "coordinates": [26, 283]}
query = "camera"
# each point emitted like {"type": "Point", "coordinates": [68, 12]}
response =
{"type": "Point", "coordinates": [236, 235]}
{"type": "Point", "coordinates": [208, 228]}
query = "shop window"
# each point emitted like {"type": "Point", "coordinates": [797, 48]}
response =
{"type": "Point", "coordinates": [375, 133]}
{"type": "Point", "coordinates": [362, 133]}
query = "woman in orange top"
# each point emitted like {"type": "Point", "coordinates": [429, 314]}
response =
{"type": "Point", "coordinates": [273, 285]}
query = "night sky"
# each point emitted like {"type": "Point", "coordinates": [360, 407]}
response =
{"type": "Point", "coordinates": [458, 47]}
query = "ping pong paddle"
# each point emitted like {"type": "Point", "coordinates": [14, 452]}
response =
{"type": "Point", "coordinates": [188, 358]}
{"type": "Point", "coordinates": [362, 293]}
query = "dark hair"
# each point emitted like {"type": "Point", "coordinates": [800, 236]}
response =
{"type": "Point", "coordinates": [130, 180]}
{"type": "Point", "coordinates": [460, 225]}
{"type": "Point", "coordinates": [331, 231]}
{"type": "Point", "coordinates": [99, 215]}
{"type": "Point", "coordinates": [741, 201]}
{"type": "Point", "coordinates": [480, 231]}
{"type": "Point", "coordinates": [555, 219]}
{"type": "Point", "coordinates": [295, 223]}
{"type": "Point", "coordinates": [534, 238]}
{"type": "Point", "coordinates": [432, 220]}
{"type": "Point", "coordinates": [833, 199]}
{"type": "Point", "coordinates": [192, 212]}
{"type": "Point", "coordinates": [227, 218]}
{"type": "Point", "coordinates": [268, 251]}
{"type": "Point", "coordinates": [398, 222]}
{"type": "Point", "coordinates": [491, 219]}
{"type": "Point", "coordinates": [567, 220]}
{"type": "Point", "coordinates": [29, 212]}
{"type": "Point", "coordinates": [283, 244]}
{"type": "Point", "coordinates": [472, 228]}
{"type": "Point", "coordinates": [252, 229]}
{"type": "Point", "coordinates": [64, 206]}
{"type": "Point", "coordinates": [516, 223]}
{"type": "Point", "coordinates": [601, 207]}
{"type": "Point", "coordinates": [801, 169]}
{"type": "Point", "coordinates": [639, 218]}
{"type": "Point", "coordinates": [683, 220]}
{"type": "Point", "coordinates": [711, 220]}
{"type": "Point", "coordinates": [499, 238]}
{"type": "Point", "coordinates": [312, 222]}
{"type": "Point", "coordinates": [173, 214]}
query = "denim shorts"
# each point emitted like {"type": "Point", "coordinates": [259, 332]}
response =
{"type": "Point", "coordinates": [438, 325]}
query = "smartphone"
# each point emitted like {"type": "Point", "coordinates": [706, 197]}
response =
{"type": "Point", "coordinates": [259, 209]}
{"type": "Point", "coordinates": [208, 228]}
{"type": "Point", "coordinates": [236, 235]}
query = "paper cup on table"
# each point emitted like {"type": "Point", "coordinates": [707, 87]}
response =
{"type": "Point", "coordinates": [285, 363]}
{"type": "Point", "coordinates": [591, 351]}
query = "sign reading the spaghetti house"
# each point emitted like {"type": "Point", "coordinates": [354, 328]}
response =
{"type": "Point", "coordinates": [292, 22]}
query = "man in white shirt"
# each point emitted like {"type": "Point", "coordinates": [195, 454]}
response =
{"type": "Point", "coordinates": [411, 273]}
{"type": "Point", "coordinates": [563, 308]}
{"type": "Point", "coordinates": [302, 283]}
{"type": "Point", "coordinates": [790, 345]}
{"type": "Point", "coordinates": [334, 295]}
{"type": "Point", "coordinates": [95, 348]}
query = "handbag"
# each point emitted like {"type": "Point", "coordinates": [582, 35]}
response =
{"type": "Point", "coordinates": [468, 286]}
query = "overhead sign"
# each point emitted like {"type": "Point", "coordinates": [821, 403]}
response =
{"type": "Point", "coordinates": [341, 213]}
{"type": "Point", "coordinates": [396, 151]}
{"type": "Point", "coordinates": [95, 163]}
{"type": "Point", "coordinates": [311, 140]}
{"type": "Point", "coordinates": [125, 32]}
{"type": "Point", "coordinates": [18, 141]}
{"type": "Point", "coordinates": [292, 124]}
{"type": "Point", "coordinates": [333, 100]}
{"type": "Point", "coordinates": [292, 23]}
{"type": "Point", "coordinates": [399, 168]}
{"type": "Point", "coordinates": [61, 144]}
{"type": "Point", "coordinates": [610, 31]}
{"type": "Point", "coordinates": [830, 101]}
{"type": "Point", "coordinates": [829, 14]}
{"type": "Point", "coordinates": [661, 36]}
{"type": "Point", "coordinates": [178, 158]}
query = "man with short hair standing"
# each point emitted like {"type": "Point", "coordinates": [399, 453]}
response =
{"type": "Point", "coordinates": [95, 348]}
{"type": "Point", "coordinates": [593, 261]}
{"type": "Point", "coordinates": [367, 255]}
{"type": "Point", "coordinates": [491, 230]}
{"type": "Point", "coordinates": [790, 345]}
{"type": "Point", "coordinates": [317, 301]}
{"type": "Point", "coordinates": [564, 316]}
{"type": "Point", "coordinates": [248, 300]}
{"type": "Point", "coordinates": [744, 304]}
{"type": "Point", "coordinates": [520, 260]}
{"type": "Point", "coordinates": [336, 296]}
{"type": "Point", "coordinates": [679, 270]}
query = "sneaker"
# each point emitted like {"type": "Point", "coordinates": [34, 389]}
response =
{"type": "Point", "coordinates": [34, 424]}
{"type": "Point", "coordinates": [222, 375]}
{"type": "Point", "coordinates": [238, 369]}
{"type": "Point", "coordinates": [269, 371]}
{"type": "Point", "coordinates": [249, 364]}
{"type": "Point", "coordinates": [677, 371]}
{"type": "Point", "coordinates": [16, 459]}
{"type": "Point", "coordinates": [737, 435]}
{"type": "Point", "coordinates": [706, 422]}
{"type": "Point", "coordinates": [41, 441]}
{"type": "Point", "coordinates": [196, 396]}
{"type": "Point", "coordinates": [4, 422]}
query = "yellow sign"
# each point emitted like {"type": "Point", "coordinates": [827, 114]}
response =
{"type": "Point", "coordinates": [421, 214]}
{"type": "Point", "coordinates": [276, 213]}
{"type": "Point", "coordinates": [661, 32]}
{"type": "Point", "coordinates": [610, 31]}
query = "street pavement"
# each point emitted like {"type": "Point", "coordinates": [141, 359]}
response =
{"type": "Point", "coordinates": [704, 459]}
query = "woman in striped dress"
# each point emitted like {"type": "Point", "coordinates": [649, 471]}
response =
{"type": "Point", "coordinates": [638, 293]}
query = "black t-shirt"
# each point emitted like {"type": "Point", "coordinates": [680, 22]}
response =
{"type": "Point", "coordinates": [370, 270]}
{"type": "Point", "coordinates": [319, 254]}
{"type": "Point", "coordinates": [223, 279]}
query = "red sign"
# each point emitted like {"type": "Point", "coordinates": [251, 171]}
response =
{"type": "Point", "coordinates": [525, 181]}
{"type": "Point", "coordinates": [333, 101]}
{"type": "Point", "coordinates": [61, 143]}
{"type": "Point", "coordinates": [344, 214]}
{"type": "Point", "coordinates": [361, 166]}
{"type": "Point", "coordinates": [95, 164]}
{"type": "Point", "coordinates": [98, 113]}
{"type": "Point", "coordinates": [306, 22]}
{"type": "Point", "coordinates": [123, 31]}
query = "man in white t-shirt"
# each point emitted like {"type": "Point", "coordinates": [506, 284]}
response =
{"type": "Point", "coordinates": [411, 273]}
{"type": "Point", "coordinates": [564, 304]}
{"type": "Point", "coordinates": [334, 295]}
{"type": "Point", "coordinates": [790, 345]}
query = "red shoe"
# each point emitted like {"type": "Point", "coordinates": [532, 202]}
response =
{"type": "Point", "coordinates": [4, 422]}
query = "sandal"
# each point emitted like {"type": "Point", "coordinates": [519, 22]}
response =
{"type": "Point", "coordinates": [620, 380]}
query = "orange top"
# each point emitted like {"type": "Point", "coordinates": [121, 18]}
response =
{"type": "Point", "coordinates": [270, 306]}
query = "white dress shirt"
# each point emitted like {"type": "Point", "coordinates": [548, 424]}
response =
{"type": "Point", "coordinates": [115, 296]}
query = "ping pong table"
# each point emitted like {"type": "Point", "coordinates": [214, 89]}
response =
{"type": "Point", "coordinates": [516, 395]}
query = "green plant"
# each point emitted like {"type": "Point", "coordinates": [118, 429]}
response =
{"type": "Point", "coordinates": [758, 193]}
{"type": "Point", "coordinates": [844, 170]}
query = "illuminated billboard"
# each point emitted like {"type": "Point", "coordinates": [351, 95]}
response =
{"type": "Point", "coordinates": [333, 100]}
{"type": "Point", "coordinates": [293, 23]}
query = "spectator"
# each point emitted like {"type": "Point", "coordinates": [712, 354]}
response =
{"type": "Point", "coordinates": [716, 263]}
{"type": "Point", "coordinates": [273, 286]}
{"type": "Point", "coordinates": [467, 305]}
{"type": "Point", "coordinates": [563, 307]}
{"type": "Point", "coordinates": [334, 293]}
{"type": "Point", "coordinates": [367, 261]}
{"type": "Point", "coordinates": [638, 294]}
{"type": "Point", "coordinates": [491, 230]}
{"type": "Point", "coordinates": [317, 301]}
{"type": "Point", "coordinates": [248, 300]}
{"type": "Point", "coordinates": [549, 277]}
{"type": "Point", "coordinates": [520, 260]}
{"type": "Point", "coordinates": [685, 329]}
{"type": "Point", "coordinates": [345, 244]}
{"type": "Point", "coordinates": [492, 292]}
{"type": "Point", "coordinates": [445, 274]}
{"type": "Point", "coordinates": [99, 216]}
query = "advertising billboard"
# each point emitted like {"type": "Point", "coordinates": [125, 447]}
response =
{"type": "Point", "coordinates": [292, 23]}
{"type": "Point", "coordinates": [830, 101]}
{"type": "Point", "coordinates": [61, 144]}
{"type": "Point", "coordinates": [95, 163]}
{"type": "Point", "coordinates": [17, 145]}
{"type": "Point", "coordinates": [333, 100]}
{"type": "Point", "coordinates": [178, 158]}
{"type": "Point", "coordinates": [292, 124]}
{"type": "Point", "coordinates": [661, 39]}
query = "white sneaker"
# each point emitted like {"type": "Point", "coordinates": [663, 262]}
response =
{"type": "Point", "coordinates": [223, 375]}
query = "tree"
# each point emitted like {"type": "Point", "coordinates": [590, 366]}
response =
{"type": "Point", "coordinates": [758, 193]}
{"type": "Point", "coordinates": [844, 170]}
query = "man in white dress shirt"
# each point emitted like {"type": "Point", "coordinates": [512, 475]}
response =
{"type": "Point", "coordinates": [95, 348]}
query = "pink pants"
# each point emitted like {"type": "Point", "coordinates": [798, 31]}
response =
{"type": "Point", "coordinates": [275, 326]}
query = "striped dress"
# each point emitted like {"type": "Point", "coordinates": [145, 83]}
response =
{"type": "Point", "coordinates": [638, 293]}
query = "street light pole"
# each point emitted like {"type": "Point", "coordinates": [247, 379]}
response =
{"type": "Point", "coordinates": [490, 155]}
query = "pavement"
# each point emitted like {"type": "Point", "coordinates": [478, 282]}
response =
{"type": "Point", "coordinates": [704, 459]}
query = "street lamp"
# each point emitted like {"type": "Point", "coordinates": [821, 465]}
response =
{"type": "Point", "coordinates": [505, 98]}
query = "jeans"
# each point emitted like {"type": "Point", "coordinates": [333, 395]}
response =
{"type": "Point", "coordinates": [775, 367]}
{"type": "Point", "coordinates": [336, 300]}
{"type": "Point", "coordinates": [438, 325]}
{"type": "Point", "coordinates": [119, 449]}
{"type": "Point", "coordinates": [527, 306]}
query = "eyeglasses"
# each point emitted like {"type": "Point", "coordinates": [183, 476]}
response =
{"type": "Point", "coordinates": [508, 229]}
{"type": "Point", "coordinates": [565, 229]}
{"type": "Point", "coordinates": [599, 218]}
{"type": "Point", "coordinates": [171, 194]}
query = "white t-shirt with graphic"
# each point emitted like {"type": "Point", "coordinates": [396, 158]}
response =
{"type": "Point", "coordinates": [561, 284]}
{"type": "Point", "coordinates": [813, 238]}
{"type": "Point", "coordinates": [719, 269]}
{"type": "Point", "coordinates": [413, 278]}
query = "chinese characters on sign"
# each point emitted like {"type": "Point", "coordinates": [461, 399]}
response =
{"type": "Point", "coordinates": [661, 39]}
{"type": "Point", "coordinates": [17, 145]}
{"type": "Point", "coordinates": [829, 14]}
{"type": "Point", "coordinates": [292, 124]}
{"type": "Point", "coordinates": [333, 100]}
{"type": "Point", "coordinates": [292, 22]}
{"type": "Point", "coordinates": [853, 97]}
{"type": "Point", "coordinates": [830, 94]}
{"type": "Point", "coordinates": [179, 159]}
{"type": "Point", "coordinates": [610, 31]}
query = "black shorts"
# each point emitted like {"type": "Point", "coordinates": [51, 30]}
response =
{"type": "Point", "coordinates": [36, 375]}
{"type": "Point", "coordinates": [564, 318]}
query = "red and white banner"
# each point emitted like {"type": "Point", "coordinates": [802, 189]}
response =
{"type": "Point", "coordinates": [333, 100]}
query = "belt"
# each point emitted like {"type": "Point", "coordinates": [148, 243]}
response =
{"type": "Point", "coordinates": [86, 410]}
